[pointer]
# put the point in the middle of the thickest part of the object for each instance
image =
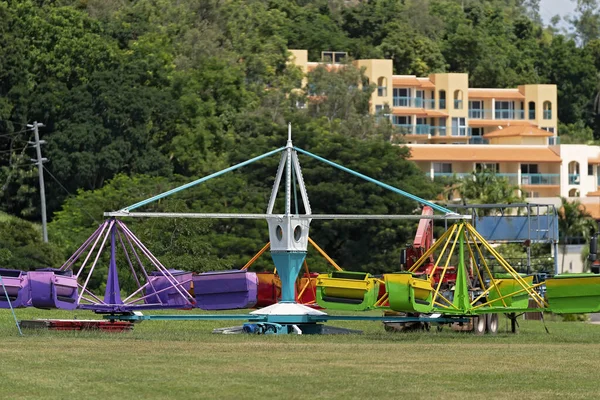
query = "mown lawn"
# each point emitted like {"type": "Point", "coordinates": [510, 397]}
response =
{"type": "Point", "coordinates": [162, 359]}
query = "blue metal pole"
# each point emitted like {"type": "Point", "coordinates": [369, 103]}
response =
{"type": "Point", "coordinates": [204, 179]}
{"type": "Point", "coordinates": [12, 310]}
{"type": "Point", "coordinates": [375, 181]}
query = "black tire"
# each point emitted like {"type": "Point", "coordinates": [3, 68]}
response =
{"type": "Point", "coordinates": [492, 323]}
{"type": "Point", "coordinates": [479, 325]}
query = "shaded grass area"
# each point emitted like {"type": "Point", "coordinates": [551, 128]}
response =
{"type": "Point", "coordinates": [161, 359]}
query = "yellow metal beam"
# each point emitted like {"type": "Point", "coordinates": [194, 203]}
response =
{"type": "Point", "coordinates": [322, 252]}
{"type": "Point", "coordinates": [256, 256]}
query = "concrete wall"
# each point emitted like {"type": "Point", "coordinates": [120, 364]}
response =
{"type": "Point", "coordinates": [573, 261]}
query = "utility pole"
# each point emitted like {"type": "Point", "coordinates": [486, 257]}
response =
{"type": "Point", "coordinates": [40, 161]}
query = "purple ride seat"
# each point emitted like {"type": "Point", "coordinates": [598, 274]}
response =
{"type": "Point", "coordinates": [17, 287]}
{"type": "Point", "coordinates": [226, 290]}
{"type": "Point", "coordinates": [53, 288]}
{"type": "Point", "coordinates": [171, 296]}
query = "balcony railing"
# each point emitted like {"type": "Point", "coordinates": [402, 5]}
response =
{"type": "Point", "coordinates": [442, 104]}
{"type": "Point", "coordinates": [553, 141]}
{"type": "Point", "coordinates": [437, 130]}
{"type": "Point", "coordinates": [574, 179]}
{"type": "Point", "coordinates": [496, 114]}
{"type": "Point", "coordinates": [458, 104]}
{"type": "Point", "coordinates": [512, 178]}
{"type": "Point", "coordinates": [415, 102]}
{"type": "Point", "coordinates": [478, 140]}
{"type": "Point", "coordinates": [446, 175]}
{"type": "Point", "coordinates": [531, 114]}
{"type": "Point", "coordinates": [461, 131]}
{"type": "Point", "coordinates": [547, 114]}
{"type": "Point", "coordinates": [382, 91]}
{"type": "Point", "coordinates": [409, 129]}
{"type": "Point", "coordinates": [476, 113]}
{"type": "Point", "coordinates": [540, 179]}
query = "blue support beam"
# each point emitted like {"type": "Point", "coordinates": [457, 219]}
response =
{"type": "Point", "coordinates": [375, 181]}
{"type": "Point", "coordinates": [198, 181]}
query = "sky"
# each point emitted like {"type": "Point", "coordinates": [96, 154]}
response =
{"type": "Point", "coordinates": [549, 8]}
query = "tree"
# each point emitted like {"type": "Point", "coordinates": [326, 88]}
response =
{"type": "Point", "coordinates": [573, 222]}
{"type": "Point", "coordinates": [586, 21]}
{"type": "Point", "coordinates": [486, 187]}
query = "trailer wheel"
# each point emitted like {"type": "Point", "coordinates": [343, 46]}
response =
{"type": "Point", "coordinates": [492, 323]}
{"type": "Point", "coordinates": [479, 325]}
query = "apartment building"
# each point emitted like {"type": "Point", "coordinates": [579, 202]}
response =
{"type": "Point", "coordinates": [453, 130]}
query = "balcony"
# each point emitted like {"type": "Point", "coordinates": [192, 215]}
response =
{"type": "Point", "coordinates": [478, 140]}
{"type": "Point", "coordinates": [511, 178]}
{"type": "Point", "coordinates": [409, 129]}
{"type": "Point", "coordinates": [414, 102]}
{"type": "Point", "coordinates": [574, 179]}
{"type": "Point", "coordinates": [437, 131]}
{"type": "Point", "coordinates": [450, 175]}
{"type": "Point", "coordinates": [547, 114]}
{"type": "Point", "coordinates": [553, 141]}
{"type": "Point", "coordinates": [461, 131]}
{"type": "Point", "coordinates": [540, 179]}
{"type": "Point", "coordinates": [496, 114]}
{"type": "Point", "coordinates": [476, 113]}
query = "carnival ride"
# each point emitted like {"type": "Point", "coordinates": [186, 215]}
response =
{"type": "Point", "coordinates": [446, 281]}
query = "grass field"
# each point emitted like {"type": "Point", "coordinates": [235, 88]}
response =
{"type": "Point", "coordinates": [184, 360]}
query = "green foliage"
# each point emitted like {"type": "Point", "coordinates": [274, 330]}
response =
{"type": "Point", "coordinates": [486, 187]}
{"type": "Point", "coordinates": [573, 222]}
{"type": "Point", "coordinates": [21, 246]}
{"type": "Point", "coordinates": [138, 97]}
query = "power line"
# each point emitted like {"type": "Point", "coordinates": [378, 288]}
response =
{"type": "Point", "coordinates": [69, 193]}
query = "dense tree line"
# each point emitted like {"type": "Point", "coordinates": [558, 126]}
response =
{"type": "Point", "coordinates": [139, 96]}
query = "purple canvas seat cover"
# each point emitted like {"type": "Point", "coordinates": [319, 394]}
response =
{"type": "Point", "coordinates": [16, 283]}
{"type": "Point", "coordinates": [225, 290]}
{"type": "Point", "coordinates": [53, 288]}
{"type": "Point", "coordinates": [171, 296]}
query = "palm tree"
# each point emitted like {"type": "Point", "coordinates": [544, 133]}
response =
{"type": "Point", "coordinates": [573, 221]}
{"type": "Point", "coordinates": [486, 187]}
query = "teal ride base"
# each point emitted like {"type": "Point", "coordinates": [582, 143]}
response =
{"type": "Point", "coordinates": [285, 324]}
{"type": "Point", "coordinates": [288, 264]}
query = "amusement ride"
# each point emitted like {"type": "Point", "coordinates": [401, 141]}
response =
{"type": "Point", "coordinates": [445, 281]}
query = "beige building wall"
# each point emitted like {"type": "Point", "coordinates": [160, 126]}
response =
{"type": "Point", "coordinates": [539, 94]}
{"type": "Point", "coordinates": [380, 74]}
{"type": "Point", "coordinates": [300, 59]}
{"type": "Point", "coordinates": [452, 83]}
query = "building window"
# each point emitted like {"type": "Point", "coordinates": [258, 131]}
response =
{"type": "Point", "coordinates": [442, 94]}
{"type": "Point", "coordinates": [479, 167]}
{"type": "Point", "coordinates": [402, 120]}
{"type": "Point", "coordinates": [547, 110]}
{"type": "Point", "coordinates": [573, 173]}
{"type": "Point", "coordinates": [401, 97]}
{"type": "Point", "coordinates": [442, 168]}
{"type": "Point", "coordinates": [532, 110]}
{"type": "Point", "coordinates": [573, 193]}
{"type": "Point", "coordinates": [459, 127]}
{"type": "Point", "coordinates": [529, 168]}
{"type": "Point", "coordinates": [382, 87]}
{"type": "Point", "coordinates": [419, 99]}
{"type": "Point", "coordinates": [476, 109]}
{"type": "Point", "coordinates": [458, 99]}
{"type": "Point", "coordinates": [505, 110]}
{"type": "Point", "coordinates": [476, 131]}
{"type": "Point", "coordinates": [590, 170]}
{"type": "Point", "coordinates": [336, 57]}
{"type": "Point", "coordinates": [549, 129]}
